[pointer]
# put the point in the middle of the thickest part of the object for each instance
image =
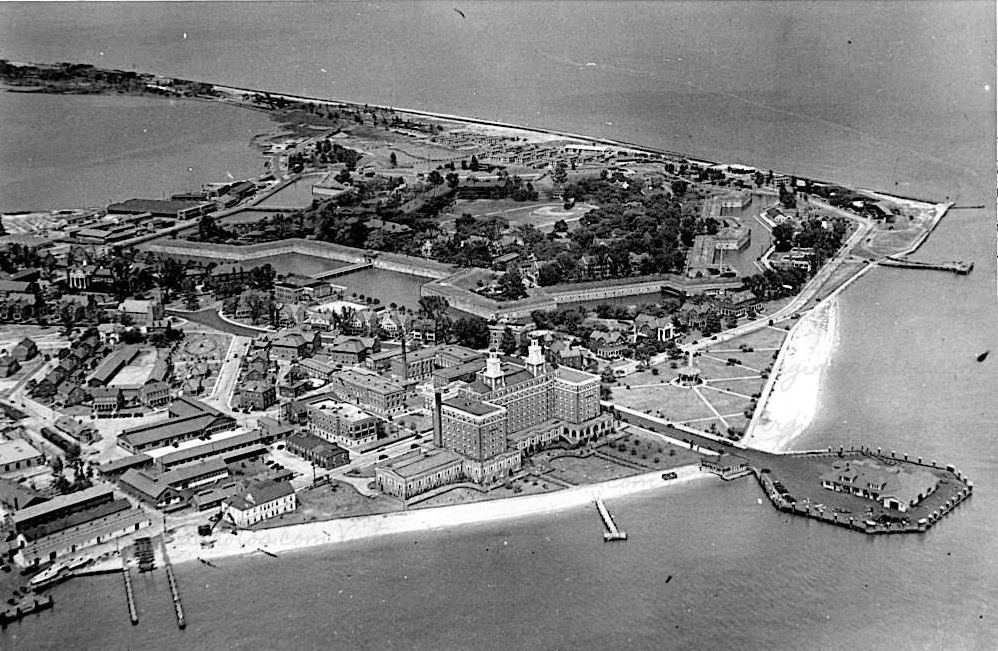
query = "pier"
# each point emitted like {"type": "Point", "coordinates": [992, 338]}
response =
{"type": "Point", "coordinates": [133, 612]}
{"type": "Point", "coordinates": [959, 268]}
{"type": "Point", "coordinates": [612, 533]}
{"type": "Point", "coordinates": [174, 590]}
{"type": "Point", "coordinates": [343, 271]}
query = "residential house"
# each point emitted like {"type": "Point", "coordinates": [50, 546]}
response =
{"type": "Point", "coordinates": [260, 502]}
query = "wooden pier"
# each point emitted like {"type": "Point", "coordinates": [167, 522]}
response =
{"type": "Point", "coordinates": [174, 590]}
{"type": "Point", "coordinates": [959, 268]}
{"type": "Point", "coordinates": [612, 533]}
{"type": "Point", "coordinates": [133, 612]}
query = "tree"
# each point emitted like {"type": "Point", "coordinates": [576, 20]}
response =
{"type": "Point", "coordinates": [783, 236]}
{"type": "Point", "coordinates": [473, 165]}
{"type": "Point", "coordinates": [434, 177]}
{"type": "Point", "coordinates": [508, 342]}
{"type": "Point", "coordinates": [191, 302]}
{"type": "Point", "coordinates": [550, 274]}
{"type": "Point", "coordinates": [471, 331]}
{"type": "Point", "coordinates": [561, 226]}
{"type": "Point", "coordinates": [560, 173]}
{"type": "Point", "coordinates": [393, 159]}
{"type": "Point", "coordinates": [679, 187]}
{"type": "Point", "coordinates": [511, 285]}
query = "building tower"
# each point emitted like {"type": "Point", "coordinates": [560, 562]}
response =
{"type": "Point", "coordinates": [535, 358]}
{"type": "Point", "coordinates": [493, 370]}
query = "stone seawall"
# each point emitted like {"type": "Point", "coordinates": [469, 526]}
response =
{"type": "Point", "coordinates": [327, 250]}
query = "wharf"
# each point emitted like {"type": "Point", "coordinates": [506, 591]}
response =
{"type": "Point", "coordinates": [959, 268]}
{"type": "Point", "coordinates": [174, 590]}
{"type": "Point", "coordinates": [133, 612]}
{"type": "Point", "coordinates": [612, 533]}
{"type": "Point", "coordinates": [24, 607]}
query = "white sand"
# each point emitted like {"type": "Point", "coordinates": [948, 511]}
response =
{"type": "Point", "coordinates": [793, 400]}
{"type": "Point", "coordinates": [186, 546]}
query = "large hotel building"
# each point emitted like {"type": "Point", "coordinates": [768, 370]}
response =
{"type": "Point", "coordinates": [507, 410]}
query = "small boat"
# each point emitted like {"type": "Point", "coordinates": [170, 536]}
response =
{"type": "Point", "coordinates": [668, 579]}
{"type": "Point", "coordinates": [48, 577]}
{"type": "Point", "coordinates": [77, 563]}
{"type": "Point", "coordinates": [983, 356]}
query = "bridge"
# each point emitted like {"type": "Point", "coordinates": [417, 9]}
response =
{"type": "Point", "coordinates": [960, 268]}
{"type": "Point", "coordinates": [342, 271]}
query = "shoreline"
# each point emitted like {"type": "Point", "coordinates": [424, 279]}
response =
{"type": "Point", "coordinates": [790, 399]}
{"type": "Point", "coordinates": [185, 546]}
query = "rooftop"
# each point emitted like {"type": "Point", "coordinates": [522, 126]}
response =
{"type": "Point", "coordinates": [17, 450]}
{"type": "Point", "coordinates": [474, 407]}
{"type": "Point", "coordinates": [261, 493]}
{"type": "Point", "coordinates": [415, 465]}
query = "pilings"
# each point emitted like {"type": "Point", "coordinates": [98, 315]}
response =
{"type": "Point", "coordinates": [133, 612]}
{"type": "Point", "coordinates": [174, 590]}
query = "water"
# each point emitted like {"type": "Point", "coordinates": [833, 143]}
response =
{"type": "Point", "coordinates": [94, 149]}
{"type": "Point", "coordinates": [876, 95]}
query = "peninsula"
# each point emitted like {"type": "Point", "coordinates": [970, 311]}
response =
{"type": "Point", "coordinates": [414, 320]}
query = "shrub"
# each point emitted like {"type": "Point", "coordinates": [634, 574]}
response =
{"type": "Point", "coordinates": [656, 459]}
{"type": "Point", "coordinates": [672, 452]}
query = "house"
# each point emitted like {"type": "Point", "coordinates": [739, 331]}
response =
{"type": "Point", "coordinates": [15, 496]}
{"type": "Point", "coordinates": [24, 350]}
{"type": "Point", "coordinates": [893, 486]}
{"type": "Point", "coordinates": [607, 345]}
{"type": "Point", "coordinates": [257, 395]}
{"type": "Point", "coordinates": [260, 502]}
{"type": "Point", "coordinates": [18, 455]}
{"type": "Point", "coordinates": [8, 366]}
{"type": "Point", "coordinates": [141, 312]}
{"type": "Point", "coordinates": [351, 349]}
{"type": "Point", "coordinates": [424, 331]}
{"type": "Point", "coordinates": [162, 208]}
{"type": "Point", "coordinates": [319, 451]}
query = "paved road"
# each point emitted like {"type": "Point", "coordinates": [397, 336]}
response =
{"type": "Point", "coordinates": [228, 373]}
{"type": "Point", "coordinates": [210, 318]}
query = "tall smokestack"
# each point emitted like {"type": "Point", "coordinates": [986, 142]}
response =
{"type": "Point", "coordinates": [438, 437]}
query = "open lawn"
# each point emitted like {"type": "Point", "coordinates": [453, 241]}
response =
{"type": "Point", "coordinates": [587, 470]}
{"type": "Point", "coordinates": [713, 368]}
{"type": "Point", "coordinates": [666, 401]}
{"type": "Point", "coordinates": [724, 403]}
{"type": "Point", "coordinates": [744, 387]}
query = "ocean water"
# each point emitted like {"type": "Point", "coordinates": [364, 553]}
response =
{"type": "Point", "coordinates": [897, 97]}
{"type": "Point", "coordinates": [86, 151]}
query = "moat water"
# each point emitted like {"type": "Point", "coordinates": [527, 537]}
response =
{"type": "Point", "coordinates": [874, 95]}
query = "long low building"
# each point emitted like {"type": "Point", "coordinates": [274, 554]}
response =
{"type": "Point", "coordinates": [174, 430]}
{"type": "Point", "coordinates": [167, 490]}
{"type": "Point", "coordinates": [229, 449]}
{"type": "Point", "coordinates": [67, 524]}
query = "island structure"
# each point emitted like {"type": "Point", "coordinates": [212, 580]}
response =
{"type": "Point", "coordinates": [411, 315]}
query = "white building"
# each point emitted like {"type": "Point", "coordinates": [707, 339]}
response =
{"type": "Point", "coordinates": [260, 502]}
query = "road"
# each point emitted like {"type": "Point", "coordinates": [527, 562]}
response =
{"type": "Point", "coordinates": [800, 301]}
{"type": "Point", "coordinates": [228, 373]}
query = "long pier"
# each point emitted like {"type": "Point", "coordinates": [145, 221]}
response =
{"type": "Point", "coordinates": [960, 268]}
{"type": "Point", "coordinates": [174, 590]}
{"type": "Point", "coordinates": [133, 612]}
{"type": "Point", "coordinates": [612, 533]}
{"type": "Point", "coordinates": [342, 271]}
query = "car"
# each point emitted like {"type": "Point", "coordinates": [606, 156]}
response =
{"type": "Point", "coordinates": [382, 457]}
{"type": "Point", "coordinates": [414, 446]}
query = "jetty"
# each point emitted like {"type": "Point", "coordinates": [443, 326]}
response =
{"type": "Point", "coordinates": [959, 268]}
{"type": "Point", "coordinates": [612, 532]}
{"type": "Point", "coordinates": [133, 612]}
{"type": "Point", "coordinates": [25, 607]}
{"type": "Point", "coordinates": [174, 590]}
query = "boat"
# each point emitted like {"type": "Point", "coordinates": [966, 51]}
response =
{"type": "Point", "coordinates": [49, 577]}
{"type": "Point", "coordinates": [78, 563]}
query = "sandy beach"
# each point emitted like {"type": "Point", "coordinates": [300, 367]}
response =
{"type": "Point", "coordinates": [796, 382]}
{"type": "Point", "coordinates": [186, 544]}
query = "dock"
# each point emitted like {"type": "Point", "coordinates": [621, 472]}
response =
{"type": "Point", "coordinates": [133, 612]}
{"type": "Point", "coordinates": [612, 533]}
{"type": "Point", "coordinates": [25, 607]}
{"type": "Point", "coordinates": [174, 590]}
{"type": "Point", "coordinates": [959, 268]}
